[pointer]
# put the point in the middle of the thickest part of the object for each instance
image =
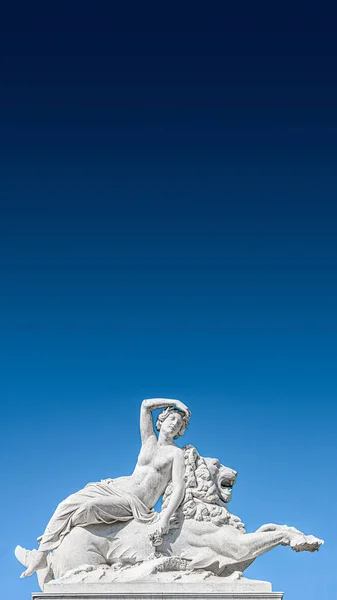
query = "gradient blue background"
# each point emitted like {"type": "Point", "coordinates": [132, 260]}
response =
{"type": "Point", "coordinates": [168, 228]}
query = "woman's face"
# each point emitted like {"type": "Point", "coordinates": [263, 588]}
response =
{"type": "Point", "coordinates": [172, 424]}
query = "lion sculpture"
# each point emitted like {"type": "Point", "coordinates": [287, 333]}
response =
{"type": "Point", "coordinates": [204, 535]}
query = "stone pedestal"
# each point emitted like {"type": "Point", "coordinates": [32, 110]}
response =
{"type": "Point", "coordinates": [159, 596]}
{"type": "Point", "coordinates": [244, 589]}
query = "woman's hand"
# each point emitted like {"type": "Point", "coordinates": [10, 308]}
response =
{"type": "Point", "coordinates": [181, 406]}
{"type": "Point", "coordinates": [164, 524]}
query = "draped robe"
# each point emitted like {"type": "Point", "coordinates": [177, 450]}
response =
{"type": "Point", "coordinates": [100, 502]}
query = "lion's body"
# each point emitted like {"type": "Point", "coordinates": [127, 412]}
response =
{"type": "Point", "coordinates": [206, 536]}
{"type": "Point", "coordinates": [202, 544]}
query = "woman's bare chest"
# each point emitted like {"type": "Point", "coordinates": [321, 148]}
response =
{"type": "Point", "coordinates": [158, 458]}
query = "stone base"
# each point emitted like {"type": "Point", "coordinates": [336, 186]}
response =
{"type": "Point", "coordinates": [234, 590]}
{"type": "Point", "coordinates": [184, 587]}
{"type": "Point", "coordinates": [163, 596]}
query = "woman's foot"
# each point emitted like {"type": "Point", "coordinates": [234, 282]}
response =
{"type": "Point", "coordinates": [23, 555]}
{"type": "Point", "coordinates": [33, 559]}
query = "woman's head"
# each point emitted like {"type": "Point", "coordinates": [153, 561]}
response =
{"type": "Point", "coordinates": [173, 421]}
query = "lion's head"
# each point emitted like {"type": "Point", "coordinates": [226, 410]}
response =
{"type": "Point", "coordinates": [208, 489]}
{"type": "Point", "coordinates": [223, 477]}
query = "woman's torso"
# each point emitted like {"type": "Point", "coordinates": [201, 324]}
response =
{"type": "Point", "coordinates": [152, 473]}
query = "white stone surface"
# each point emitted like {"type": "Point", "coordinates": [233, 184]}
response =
{"type": "Point", "coordinates": [174, 594]}
{"type": "Point", "coordinates": [197, 582]}
{"type": "Point", "coordinates": [157, 588]}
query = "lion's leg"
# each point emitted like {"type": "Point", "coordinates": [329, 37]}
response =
{"type": "Point", "coordinates": [82, 546]}
{"type": "Point", "coordinates": [251, 545]}
{"type": "Point", "coordinates": [294, 538]}
{"type": "Point", "coordinates": [274, 527]}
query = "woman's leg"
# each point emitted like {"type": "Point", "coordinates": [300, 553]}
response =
{"type": "Point", "coordinates": [58, 524]}
{"type": "Point", "coordinates": [80, 509]}
{"type": "Point", "coordinates": [102, 509]}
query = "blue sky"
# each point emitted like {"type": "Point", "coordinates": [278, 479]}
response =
{"type": "Point", "coordinates": [168, 228]}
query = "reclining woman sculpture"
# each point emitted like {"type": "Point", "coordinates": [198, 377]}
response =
{"type": "Point", "coordinates": [160, 462]}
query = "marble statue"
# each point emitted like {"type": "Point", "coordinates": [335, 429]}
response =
{"type": "Point", "coordinates": [110, 527]}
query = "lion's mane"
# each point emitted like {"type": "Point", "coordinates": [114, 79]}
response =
{"type": "Point", "coordinates": [201, 501]}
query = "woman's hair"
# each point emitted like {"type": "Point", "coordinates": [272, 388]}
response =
{"type": "Point", "coordinates": [165, 413]}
